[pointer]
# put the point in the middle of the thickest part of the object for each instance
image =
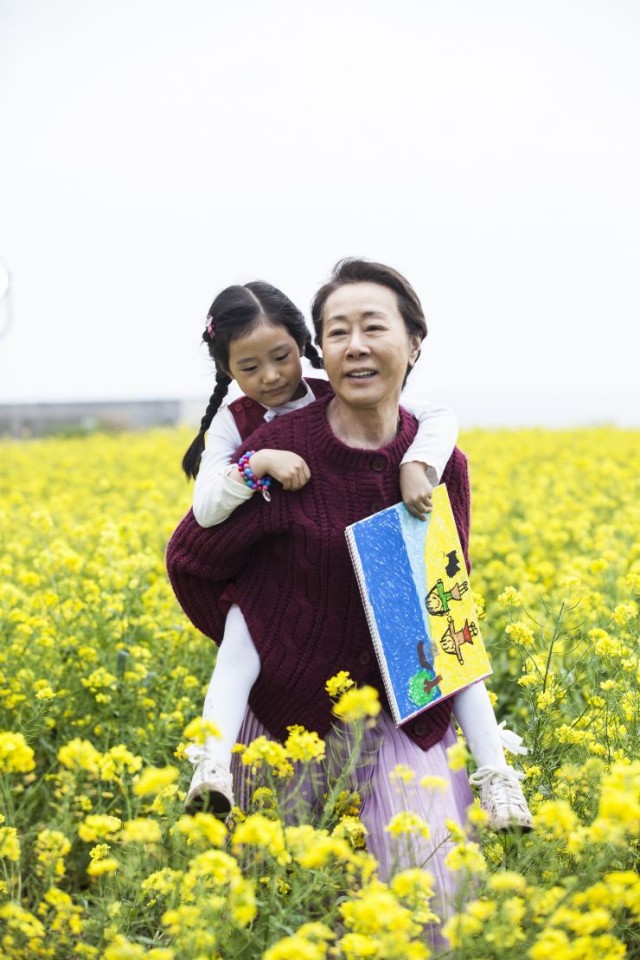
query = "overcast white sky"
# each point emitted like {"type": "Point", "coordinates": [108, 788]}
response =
{"type": "Point", "coordinates": [153, 151]}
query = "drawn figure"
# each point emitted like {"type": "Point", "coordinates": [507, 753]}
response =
{"type": "Point", "coordinates": [423, 685]}
{"type": "Point", "coordinates": [453, 639]}
{"type": "Point", "coordinates": [438, 599]}
{"type": "Point", "coordinates": [453, 564]}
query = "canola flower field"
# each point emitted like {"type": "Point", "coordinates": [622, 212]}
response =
{"type": "Point", "coordinates": [101, 684]}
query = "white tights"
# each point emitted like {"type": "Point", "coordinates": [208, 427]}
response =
{"type": "Point", "coordinates": [473, 710]}
{"type": "Point", "coordinates": [235, 672]}
{"type": "Point", "coordinates": [237, 669]}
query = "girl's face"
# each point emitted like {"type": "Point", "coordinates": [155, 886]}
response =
{"type": "Point", "coordinates": [365, 345]}
{"type": "Point", "coordinates": [266, 365]}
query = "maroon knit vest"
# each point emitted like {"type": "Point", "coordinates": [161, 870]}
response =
{"type": "Point", "coordinates": [249, 414]}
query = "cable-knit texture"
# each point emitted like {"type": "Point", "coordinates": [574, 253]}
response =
{"type": "Point", "coordinates": [287, 565]}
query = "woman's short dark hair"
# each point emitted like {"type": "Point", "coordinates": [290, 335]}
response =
{"type": "Point", "coordinates": [356, 270]}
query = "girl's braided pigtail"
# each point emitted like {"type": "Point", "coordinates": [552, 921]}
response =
{"type": "Point", "coordinates": [313, 356]}
{"type": "Point", "coordinates": [191, 459]}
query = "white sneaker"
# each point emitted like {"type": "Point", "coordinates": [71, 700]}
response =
{"type": "Point", "coordinates": [211, 786]}
{"type": "Point", "coordinates": [502, 798]}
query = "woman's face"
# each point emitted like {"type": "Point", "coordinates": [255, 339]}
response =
{"type": "Point", "coordinates": [365, 344]}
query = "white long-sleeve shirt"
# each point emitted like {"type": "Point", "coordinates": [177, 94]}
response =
{"type": "Point", "coordinates": [216, 494]}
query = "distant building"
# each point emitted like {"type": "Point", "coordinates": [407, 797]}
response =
{"type": "Point", "coordinates": [40, 419]}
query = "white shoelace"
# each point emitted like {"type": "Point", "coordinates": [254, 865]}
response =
{"type": "Point", "coordinates": [487, 773]}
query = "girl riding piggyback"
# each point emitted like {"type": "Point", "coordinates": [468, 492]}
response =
{"type": "Point", "coordinates": [257, 337]}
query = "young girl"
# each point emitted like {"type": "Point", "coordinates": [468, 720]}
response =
{"type": "Point", "coordinates": [256, 336]}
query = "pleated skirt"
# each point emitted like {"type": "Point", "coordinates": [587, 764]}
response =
{"type": "Point", "coordinates": [384, 747]}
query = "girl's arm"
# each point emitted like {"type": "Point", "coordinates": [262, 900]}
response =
{"type": "Point", "coordinates": [219, 489]}
{"type": "Point", "coordinates": [437, 436]}
{"type": "Point", "coordinates": [425, 460]}
{"type": "Point", "coordinates": [215, 494]}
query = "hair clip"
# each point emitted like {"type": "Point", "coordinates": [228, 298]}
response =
{"type": "Point", "coordinates": [211, 330]}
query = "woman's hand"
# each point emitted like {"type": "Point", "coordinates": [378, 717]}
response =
{"type": "Point", "coordinates": [416, 489]}
{"type": "Point", "coordinates": [283, 465]}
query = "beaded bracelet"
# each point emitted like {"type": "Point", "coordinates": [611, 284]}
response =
{"type": "Point", "coordinates": [256, 483]}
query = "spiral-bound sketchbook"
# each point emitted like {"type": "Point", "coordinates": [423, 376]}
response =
{"type": "Point", "coordinates": [419, 605]}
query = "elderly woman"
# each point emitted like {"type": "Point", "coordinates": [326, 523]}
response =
{"type": "Point", "coordinates": [287, 566]}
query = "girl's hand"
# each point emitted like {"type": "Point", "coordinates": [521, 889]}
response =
{"type": "Point", "coordinates": [283, 465]}
{"type": "Point", "coordinates": [416, 489]}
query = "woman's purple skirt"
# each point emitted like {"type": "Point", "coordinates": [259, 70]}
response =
{"type": "Point", "coordinates": [384, 747]}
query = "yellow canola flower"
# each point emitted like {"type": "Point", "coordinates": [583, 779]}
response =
{"type": "Point", "coordinates": [117, 761]}
{"type": "Point", "coordinates": [201, 828]}
{"type": "Point", "coordinates": [21, 921]}
{"type": "Point", "coordinates": [43, 690]}
{"type": "Point", "coordinates": [376, 910]}
{"type": "Point", "coordinates": [358, 946]}
{"type": "Point", "coordinates": [510, 597]}
{"type": "Point", "coordinates": [467, 857]}
{"type": "Point", "coordinates": [353, 830]}
{"type": "Point", "coordinates": [264, 798]}
{"type": "Point", "coordinates": [16, 756]}
{"type": "Point", "coordinates": [216, 865]}
{"type": "Point", "coordinates": [262, 833]}
{"type": "Point", "coordinates": [620, 796]}
{"type": "Point", "coordinates": [403, 773]}
{"type": "Point", "coordinates": [339, 684]}
{"type": "Point", "coordinates": [163, 882]}
{"type": "Point", "coordinates": [520, 633]}
{"type": "Point", "coordinates": [296, 947]}
{"type": "Point", "coordinates": [9, 844]}
{"type": "Point", "coordinates": [624, 613]}
{"type": "Point", "coordinates": [98, 826]}
{"type": "Point", "coordinates": [140, 830]}
{"type": "Point", "coordinates": [430, 782]}
{"type": "Point", "coordinates": [458, 756]}
{"type": "Point", "coordinates": [481, 909]}
{"type": "Point", "coordinates": [556, 818]}
{"type": "Point", "coordinates": [102, 866]}
{"type": "Point", "coordinates": [507, 881]}
{"type": "Point", "coordinates": [357, 704]}
{"type": "Point", "coordinates": [263, 751]}
{"type": "Point", "coordinates": [153, 780]}
{"type": "Point", "coordinates": [476, 816]}
{"type": "Point", "coordinates": [242, 902]}
{"type": "Point", "coordinates": [582, 923]}
{"type": "Point", "coordinates": [456, 831]}
{"type": "Point", "coordinates": [324, 850]}
{"type": "Point", "coordinates": [80, 755]}
{"type": "Point", "coordinates": [200, 729]}
{"type": "Point", "coordinates": [122, 949]}
{"type": "Point", "coordinates": [407, 822]}
{"type": "Point", "coordinates": [460, 928]}
{"type": "Point", "coordinates": [316, 931]}
{"type": "Point", "coordinates": [304, 745]}
{"type": "Point", "coordinates": [51, 847]}
{"type": "Point", "coordinates": [415, 887]}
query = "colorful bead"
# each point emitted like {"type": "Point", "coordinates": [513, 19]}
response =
{"type": "Point", "coordinates": [255, 483]}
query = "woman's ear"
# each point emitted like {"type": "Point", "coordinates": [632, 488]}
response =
{"type": "Point", "coordinates": [414, 344]}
